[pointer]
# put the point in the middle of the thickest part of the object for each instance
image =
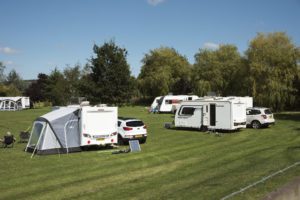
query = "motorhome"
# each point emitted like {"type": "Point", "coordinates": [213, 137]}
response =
{"type": "Point", "coordinates": [212, 113]}
{"type": "Point", "coordinates": [14, 103]}
{"type": "Point", "coordinates": [166, 103]}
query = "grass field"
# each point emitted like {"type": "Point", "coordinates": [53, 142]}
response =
{"type": "Point", "coordinates": [173, 164]}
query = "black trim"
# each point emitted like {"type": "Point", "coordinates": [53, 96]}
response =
{"type": "Point", "coordinates": [54, 151]}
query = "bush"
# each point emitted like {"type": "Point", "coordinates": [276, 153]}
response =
{"type": "Point", "coordinates": [42, 104]}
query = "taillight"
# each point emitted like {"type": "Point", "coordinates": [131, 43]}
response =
{"type": "Point", "coordinates": [145, 127]}
{"type": "Point", "coordinates": [264, 116]}
{"type": "Point", "coordinates": [114, 133]}
{"type": "Point", "coordinates": [127, 128]}
{"type": "Point", "coordinates": [86, 135]}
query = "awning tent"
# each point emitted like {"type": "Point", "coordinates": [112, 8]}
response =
{"type": "Point", "coordinates": [55, 132]}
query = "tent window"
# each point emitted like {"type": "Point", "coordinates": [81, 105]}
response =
{"type": "Point", "coordinates": [36, 132]}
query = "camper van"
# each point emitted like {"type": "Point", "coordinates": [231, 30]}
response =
{"type": "Point", "coordinates": [166, 103]}
{"type": "Point", "coordinates": [99, 125]}
{"type": "Point", "coordinates": [212, 113]}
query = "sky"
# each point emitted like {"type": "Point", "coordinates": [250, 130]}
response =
{"type": "Point", "coordinates": [37, 36]}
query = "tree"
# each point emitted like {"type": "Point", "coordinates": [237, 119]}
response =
{"type": "Point", "coordinates": [56, 89]}
{"type": "Point", "coordinates": [14, 79]}
{"type": "Point", "coordinates": [2, 76]}
{"type": "Point", "coordinates": [164, 70]}
{"type": "Point", "coordinates": [110, 75]}
{"type": "Point", "coordinates": [272, 61]}
{"type": "Point", "coordinates": [218, 70]}
{"type": "Point", "coordinates": [37, 90]}
{"type": "Point", "coordinates": [72, 76]}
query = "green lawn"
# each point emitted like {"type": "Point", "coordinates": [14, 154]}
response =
{"type": "Point", "coordinates": [173, 164]}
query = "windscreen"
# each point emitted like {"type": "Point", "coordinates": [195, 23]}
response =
{"type": "Point", "coordinates": [134, 123]}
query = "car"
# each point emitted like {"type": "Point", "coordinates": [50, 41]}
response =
{"type": "Point", "coordinates": [131, 129]}
{"type": "Point", "coordinates": [258, 117]}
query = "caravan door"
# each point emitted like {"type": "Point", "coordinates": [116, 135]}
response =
{"type": "Point", "coordinates": [189, 116]}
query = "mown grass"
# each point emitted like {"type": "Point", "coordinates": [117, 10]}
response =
{"type": "Point", "coordinates": [173, 164]}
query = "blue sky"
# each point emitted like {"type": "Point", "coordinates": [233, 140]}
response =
{"type": "Point", "coordinates": [38, 35]}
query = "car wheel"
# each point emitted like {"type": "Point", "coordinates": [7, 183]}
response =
{"type": "Point", "coordinates": [143, 141]}
{"type": "Point", "coordinates": [120, 140]}
{"type": "Point", "coordinates": [256, 124]}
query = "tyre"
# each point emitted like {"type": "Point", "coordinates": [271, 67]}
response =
{"type": "Point", "coordinates": [255, 124]}
{"type": "Point", "coordinates": [120, 140]}
{"type": "Point", "coordinates": [143, 141]}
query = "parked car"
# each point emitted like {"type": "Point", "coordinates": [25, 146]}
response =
{"type": "Point", "coordinates": [131, 129]}
{"type": "Point", "coordinates": [258, 117]}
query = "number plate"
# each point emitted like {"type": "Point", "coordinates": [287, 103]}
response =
{"type": "Point", "coordinates": [139, 136]}
{"type": "Point", "coordinates": [100, 139]}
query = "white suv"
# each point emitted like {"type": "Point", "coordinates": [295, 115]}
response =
{"type": "Point", "coordinates": [131, 129]}
{"type": "Point", "coordinates": [259, 117]}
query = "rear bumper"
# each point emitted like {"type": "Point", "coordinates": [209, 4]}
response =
{"type": "Point", "coordinates": [140, 139]}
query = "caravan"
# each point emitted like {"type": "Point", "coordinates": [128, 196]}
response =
{"type": "Point", "coordinates": [166, 104]}
{"type": "Point", "coordinates": [14, 103]}
{"type": "Point", "coordinates": [98, 125]}
{"type": "Point", "coordinates": [212, 113]}
{"type": "Point", "coordinates": [67, 129]}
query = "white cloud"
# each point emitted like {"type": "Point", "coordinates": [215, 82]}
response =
{"type": "Point", "coordinates": [155, 2]}
{"type": "Point", "coordinates": [211, 46]}
{"type": "Point", "coordinates": [6, 63]}
{"type": "Point", "coordinates": [8, 50]}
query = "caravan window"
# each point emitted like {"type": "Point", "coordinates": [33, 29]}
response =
{"type": "Point", "coordinates": [168, 101]}
{"type": "Point", "coordinates": [187, 111]}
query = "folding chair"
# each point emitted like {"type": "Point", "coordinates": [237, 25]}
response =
{"type": "Point", "coordinates": [8, 140]}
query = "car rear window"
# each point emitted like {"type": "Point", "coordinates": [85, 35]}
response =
{"type": "Point", "coordinates": [268, 111]}
{"type": "Point", "coordinates": [134, 123]}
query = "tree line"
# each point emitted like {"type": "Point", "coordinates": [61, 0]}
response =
{"type": "Point", "coordinates": [268, 71]}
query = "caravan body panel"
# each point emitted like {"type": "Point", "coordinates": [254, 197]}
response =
{"type": "Point", "coordinates": [169, 102]}
{"type": "Point", "coordinates": [216, 113]}
{"type": "Point", "coordinates": [99, 125]}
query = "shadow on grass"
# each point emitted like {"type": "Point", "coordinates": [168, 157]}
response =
{"type": "Point", "coordinates": [288, 116]}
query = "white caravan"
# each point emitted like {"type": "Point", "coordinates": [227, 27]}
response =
{"type": "Point", "coordinates": [67, 129]}
{"type": "Point", "coordinates": [154, 106]}
{"type": "Point", "coordinates": [14, 103]}
{"type": "Point", "coordinates": [166, 103]}
{"type": "Point", "coordinates": [212, 113]}
{"type": "Point", "coordinates": [98, 125]}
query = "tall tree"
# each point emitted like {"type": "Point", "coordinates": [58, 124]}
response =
{"type": "Point", "coordinates": [218, 71]}
{"type": "Point", "coordinates": [272, 61]}
{"type": "Point", "coordinates": [37, 90]}
{"type": "Point", "coordinates": [164, 70]}
{"type": "Point", "coordinates": [14, 79]}
{"type": "Point", "coordinates": [72, 76]}
{"type": "Point", "coordinates": [56, 89]}
{"type": "Point", "coordinates": [2, 76]}
{"type": "Point", "coordinates": [110, 74]}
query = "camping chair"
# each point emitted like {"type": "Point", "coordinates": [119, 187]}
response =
{"type": "Point", "coordinates": [8, 140]}
{"type": "Point", "coordinates": [24, 136]}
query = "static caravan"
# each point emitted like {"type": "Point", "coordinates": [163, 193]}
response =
{"type": "Point", "coordinates": [167, 103]}
{"type": "Point", "coordinates": [99, 125]}
{"type": "Point", "coordinates": [212, 113]}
